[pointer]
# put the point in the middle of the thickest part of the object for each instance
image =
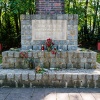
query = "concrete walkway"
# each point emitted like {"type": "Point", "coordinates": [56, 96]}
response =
{"type": "Point", "coordinates": [49, 94]}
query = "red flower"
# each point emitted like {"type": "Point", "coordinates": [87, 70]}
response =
{"type": "Point", "coordinates": [53, 52]}
{"type": "Point", "coordinates": [48, 45]}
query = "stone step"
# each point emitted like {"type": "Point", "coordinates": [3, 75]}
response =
{"type": "Point", "coordinates": [52, 78]}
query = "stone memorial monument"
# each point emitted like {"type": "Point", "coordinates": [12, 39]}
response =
{"type": "Point", "coordinates": [77, 68]}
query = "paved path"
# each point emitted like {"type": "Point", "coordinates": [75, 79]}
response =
{"type": "Point", "coordinates": [49, 94]}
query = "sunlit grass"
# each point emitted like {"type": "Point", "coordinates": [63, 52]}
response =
{"type": "Point", "coordinates": [98, 57]}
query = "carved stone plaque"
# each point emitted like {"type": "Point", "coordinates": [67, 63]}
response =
{"type": "Point", "coordinates": [54, 29]}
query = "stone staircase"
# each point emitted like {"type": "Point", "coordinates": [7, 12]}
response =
{"type": "Point", "coordinates": [76, 69]}
{"type": "Point", "coordinates": [81, 78]}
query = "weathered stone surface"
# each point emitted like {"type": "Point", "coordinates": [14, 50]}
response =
{"type": "Point", "coordinates": [4, 54]}
{"type": "Point", "coordinates": [10, 54]}
{"type": "Point", "coordinates": [10, 76]}
{"type": "Point", "coordinates": [25, 76]}
{"type": "Point", "coordinates": [17, 76]}
{"type": "Point", "coordinates": [32, 76]}
{"type": "Point", "coordinates": [16, 54]}
{"type": "Point", "coordinates": [38, 76]}
{"type": "Point", "coordinates": [41, 54]}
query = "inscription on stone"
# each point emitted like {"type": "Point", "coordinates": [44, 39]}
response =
{"type": "Point", "coordinates": [43, 29]}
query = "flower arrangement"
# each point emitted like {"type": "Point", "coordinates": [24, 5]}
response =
{"type": "Point", "coordinates": [23, 54]}
{"type": "Point", "coordinates": [49, 44]}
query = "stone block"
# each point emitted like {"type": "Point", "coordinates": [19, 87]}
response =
{"type": "Point", "coordinates": [28, 37]}
{"type": "Point", "coordinates": [69, 47]}
{"type": "Point", "coordinates": [80, 65]}
{"type": "Point", "coordinates": [5, 54]}
{"type": "Point", "coordinates": [38, 76]}
{"type": "Point", "coordinates": [60, 47]}
{"type": "Point", "coordinates": [58, 54]}
{"type": "Point", "coordinates": [36, 47]}
{"type": "Point", "coordinates": [86, 54]}
{"type": "Point", "coordinates": [10, 53]}
{"type": "Point", "coordinates": [35, 54]}
{"type": "Point", "coordinates": [65, 16]}
{"type": "Point", "coordinates": [63, 60]}
{"type": "Point", "coordinates": [70, 54]}
{"type": "Point", "coordinates": [60, 17]}
{"type": "Point", "coordinates": [37, 16]}
{"type": "Point", "coordinates": [63, 54]}
{"type": "Point", "coordinates": [72, 42]}
{"type": "Point", "coordinates": [25, 76]}
{"type": "Point", "coordinates": [4, 59]}
{"type": "Point", "coordinates": [75, 65]}
{"type": "Point", "coordinates": [37, 60]}
{"type": "Point", "coordinates": [41, 54]}
{"type": "Point", "coordinates": [69, 65]}
{"type": "Point", "coordinates": [59, 76]}
{"type": "Point", "coordinates": [2, 76]}
{"type": "Point", "coordinates": [45, 76]}
{"type": "Point", "coordinates": [69, 37]}
{"type": "Point", "coordinates": [52, 76]}
{"type": "Point", "coordinates": [52, 60]}
{"type": "Point", "coordinates": [75, 22]}
{"type": "Point", "coordinates": [27, 17]}
{"type": "Point", "coordinates": [43, 16]}
{"type": "Point", "coordinates": [80, 54]}
{"type": "Point", "coordinates": [54, 16]}
{"type": "Point", "coordinates": [52, 64]}
{"type": "Point", "coordinates": [89, 77]}
{"type": "Point", "coordinates": [70, 22]}
{"type": "Point", "coordinates": [89, 60]}
{"type": "Point", "coordinates": [17, 76]}
{"type": "Point", "coordinates": [5, 65]}
{"type": "Point", "coordinates": [65, 47]}
{"type": "Point", "coordinates": [52, 55]}
{"type": "Point", "coordinates": [10, 76]}
{"type": "Point", "coordinates": [16, 54]}
{"type": "Point", "coordinates": [30, 54]}
{"type": "Point", "coordinates": [83, 60]}
{"type": "Point", "coordinates": [26, 22]}
{"type": "Point", "coordinates": [32, 17]}
{"type": "Point", "coordinates": [82, 80]}
{"type": "Point", "coordinates": [32, 76]}
{"type": "Point", "coordinates": [11, 65]}
{"type": "Point", "coordinates": [95, 77]}
{"type": "Point", "coordinates": [42, 60]}
{"type": "Point", "coordinates": [93, 55]}
{"type": "Point", "coordinates": [46, 64]}
{"type": "Point", "coordinates": [87, 65]}
{"type": "Point", "coordinates": [67, 77]}
{"type": "Point", "coordinates": [26, 47]}
{"type": "Point", "coordinates": [74, 60]}
{"type": "Point", "coordinates": [63, 66]}
{"type": "Point", "coordinates": [74, 76]}
{"type": "Point", "coordinates": [93, 65]}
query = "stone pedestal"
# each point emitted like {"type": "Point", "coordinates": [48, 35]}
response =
{"type": "Point", "coordinates": [63, 59]}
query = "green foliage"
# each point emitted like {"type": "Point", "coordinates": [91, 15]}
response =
{"type": "Point", "coordinates": [87, 10]}
{"type": "Point", "coordinates": [98, 57]}
{"type": "Point", "coordinates": [10, 11]}
{"type": "Point", "coordinates": [89, 19]}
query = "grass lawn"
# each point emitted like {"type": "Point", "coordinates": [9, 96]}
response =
{"type": "Point", "coordinates": [98, 57]}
